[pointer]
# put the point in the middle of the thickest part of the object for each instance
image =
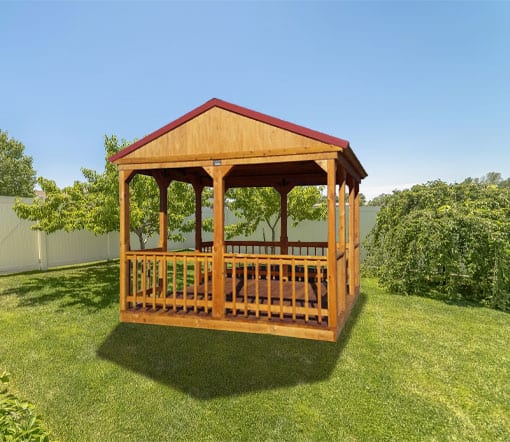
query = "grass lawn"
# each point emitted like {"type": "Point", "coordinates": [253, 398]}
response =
{"type": "Point", "coordinates": [405, 368]}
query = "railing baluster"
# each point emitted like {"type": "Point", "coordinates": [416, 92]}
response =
{"type": "Point", "coordinates": [281, 288]}
{"type": "Point", "coordinates": [257, 288]}
{"type": "Point", "coordinates": [206, 285]}
{"type": "Point", "coordinates": [135, 277]}
{"type": "Point", "coordinates": [195, 286]}
{"type": "Point", "coordinates": [306, 292]}
{"type": "Point", "coordinates": [185, 282]}
{"type": "Point", "coordinates": [245, 285]}
{"type": "Point", "coordinates": [234, 285]}
{"type": "Point", "coordinates": [174, 282]}
{"type": "Point", "coordinates": [319, 292]}
{"type": "Point", "coordinates": [154, 281]}
{"type": "Point", "coordinates": [144, 281]}
{"type": "Point", "coordinates": [268, 278]}
{"type": "Point", "coordinates": [165, 280]}
{"type": "Point", "coordinates": [293, 289]}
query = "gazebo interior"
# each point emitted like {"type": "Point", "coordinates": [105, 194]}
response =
{"type": "Point", "coordinates": [291, 288]}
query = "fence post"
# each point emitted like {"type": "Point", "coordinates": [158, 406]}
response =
{"type": "Point", "coordinates": [42, 255]}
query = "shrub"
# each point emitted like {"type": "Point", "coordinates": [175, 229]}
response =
{"type": "Point", "coordinates": [18, 422]}
{"type": "Point", "coordinates": [448, 239]}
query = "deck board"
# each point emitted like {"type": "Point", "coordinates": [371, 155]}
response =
{"type": "Point", "coordinates": [263, 292]}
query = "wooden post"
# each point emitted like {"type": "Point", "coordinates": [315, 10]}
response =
{"type": "Point", "coordinates": [163, 184]}
{"type": "Point", "coordinates": [352, 237]}
{"type": "Point", "coordinates": [284, 238]}
{"type": "Point", "coordinates": [332, 273]}
{"type": "Point", "coordinates": [125, 246]}
{"type": "Point", "coordinates": [198, 188]}
{"type": "Point", "coordinates": [218, 308]}
{"type": "Point", "coordinates": [342, 283]}
{"type": "Point", "coordinates": [356, 237]}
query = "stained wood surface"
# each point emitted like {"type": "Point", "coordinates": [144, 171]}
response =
{"type": "Point", "coordinates": [218, 133]}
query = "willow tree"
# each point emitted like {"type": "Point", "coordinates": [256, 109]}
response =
{"type": "Point", "coordinates": [446, 239]}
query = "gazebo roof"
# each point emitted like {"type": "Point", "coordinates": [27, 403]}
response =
{"type": "Point", "coordinates": [219, 130]}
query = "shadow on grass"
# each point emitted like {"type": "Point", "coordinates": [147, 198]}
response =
{"type": "Point", "coordinates": [93, 287]}
{"type": "Point", "coordinates": [209, 364]}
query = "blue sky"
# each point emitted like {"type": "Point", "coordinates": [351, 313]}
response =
{"type": "Point", "coordinates": [420, 89]}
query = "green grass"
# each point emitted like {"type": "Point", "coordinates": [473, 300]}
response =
{"type": "Point", "coordinates": [405, 368]}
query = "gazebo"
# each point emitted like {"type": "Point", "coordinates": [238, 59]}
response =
{"type": "Point", "coordinates": [290, 288]}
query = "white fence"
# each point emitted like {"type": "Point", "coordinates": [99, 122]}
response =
{"type": "Point", "coordinates": [23, 249]}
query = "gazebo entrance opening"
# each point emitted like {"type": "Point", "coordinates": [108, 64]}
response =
{"type": "Point", "coordinates": [301, 289]}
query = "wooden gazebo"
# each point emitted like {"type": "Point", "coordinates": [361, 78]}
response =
{"type": "Point", "coordinates": [299, 289]}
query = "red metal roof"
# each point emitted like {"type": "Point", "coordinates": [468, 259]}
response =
{"type": "Point", "coordinates": [215, 102]}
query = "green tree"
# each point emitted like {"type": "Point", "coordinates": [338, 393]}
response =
{"type": "Point", "coordinates": [94, 204]}
{"type": "Point", "coordinates": [379, 200]}
{"type": "Point", "coordinates": [255, 205]}
{"type": "Point", "coordinates": [17, 176]}
{"type": "Point", "coordinates": [450, 239]}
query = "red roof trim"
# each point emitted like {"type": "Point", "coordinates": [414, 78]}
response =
{"type": "Point", "coordinates": [215, 102]}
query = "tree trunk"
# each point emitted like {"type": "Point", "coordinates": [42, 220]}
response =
{"type": "Point", "coordinates": [140, 239]}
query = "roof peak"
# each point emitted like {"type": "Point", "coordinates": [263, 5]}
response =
{"type": "Point", "coordinates": [243, 111]}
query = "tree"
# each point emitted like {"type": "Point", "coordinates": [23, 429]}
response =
{"type": "Point", "coordinates": [379, 200]}
{"type": "Point", "coordinates": [490, 178]}
{"type": "Point", "coordinates": [449, 239]}
{"type": "Point", "coordinates": [94, 204]}
{"type": "Point", "coordinates": [256, 205]}
{"type": "Point", "coordinates": [17, 176]}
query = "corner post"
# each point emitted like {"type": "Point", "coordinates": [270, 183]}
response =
{"type": "Point", "coordinates": [124, 179]}
{"type": "Point", "coordinates": [332, 270]}
{"type": "Point", "coordinates": [342, 289]}
{"type": "Point", "coordinates": [357, 237]}
{"type": "Point", "coordinates": [218, 174]}
{"type": "Point", "coordinates": [352, 237]}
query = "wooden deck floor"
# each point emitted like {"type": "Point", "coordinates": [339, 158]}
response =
{"type": "Point", "coordinates": [302, 290]}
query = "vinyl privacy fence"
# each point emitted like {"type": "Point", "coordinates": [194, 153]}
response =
{"type": "Point", "coordinates": [24, 249]}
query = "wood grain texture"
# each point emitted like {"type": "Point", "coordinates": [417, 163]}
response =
{"type": "Point", "coordinates": [332, 270]}
{"type": "Point", "coordinates": [219, 133]}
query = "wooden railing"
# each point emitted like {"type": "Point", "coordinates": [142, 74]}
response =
{"type": "Point", "coordinates": [280, 287]}
{"type": "Point", "coordinates": [296, 248]}
{"type": "Point", "coordinates": [178, 281]}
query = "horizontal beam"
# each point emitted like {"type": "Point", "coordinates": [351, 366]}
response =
{"type": "Point", "coordinates": [163, 163]}
{"type": "Point", "coordinates": [263, 326]}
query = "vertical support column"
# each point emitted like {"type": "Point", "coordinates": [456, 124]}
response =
{"type": "Point", "coordinates": [284, 237]}
{"type": "Point", "coordinates": [332, 270]}
{"type": "Point", "coordinates": [218, 173]}
{"type": "Point", "coordinates": [198, 188]}
{"type": "Point", "coordinates": [163, 181]}
{"type": "Point", "coordinates": [163, 215]}
{"type": "Point", "coordinates": [342, 283]}
{"type": "Point", "coordinates": [124, 178]}
{"type": "Point", "coordinates": [352, 238]}
{"type": "Point", "coordinates": [356, 237]}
